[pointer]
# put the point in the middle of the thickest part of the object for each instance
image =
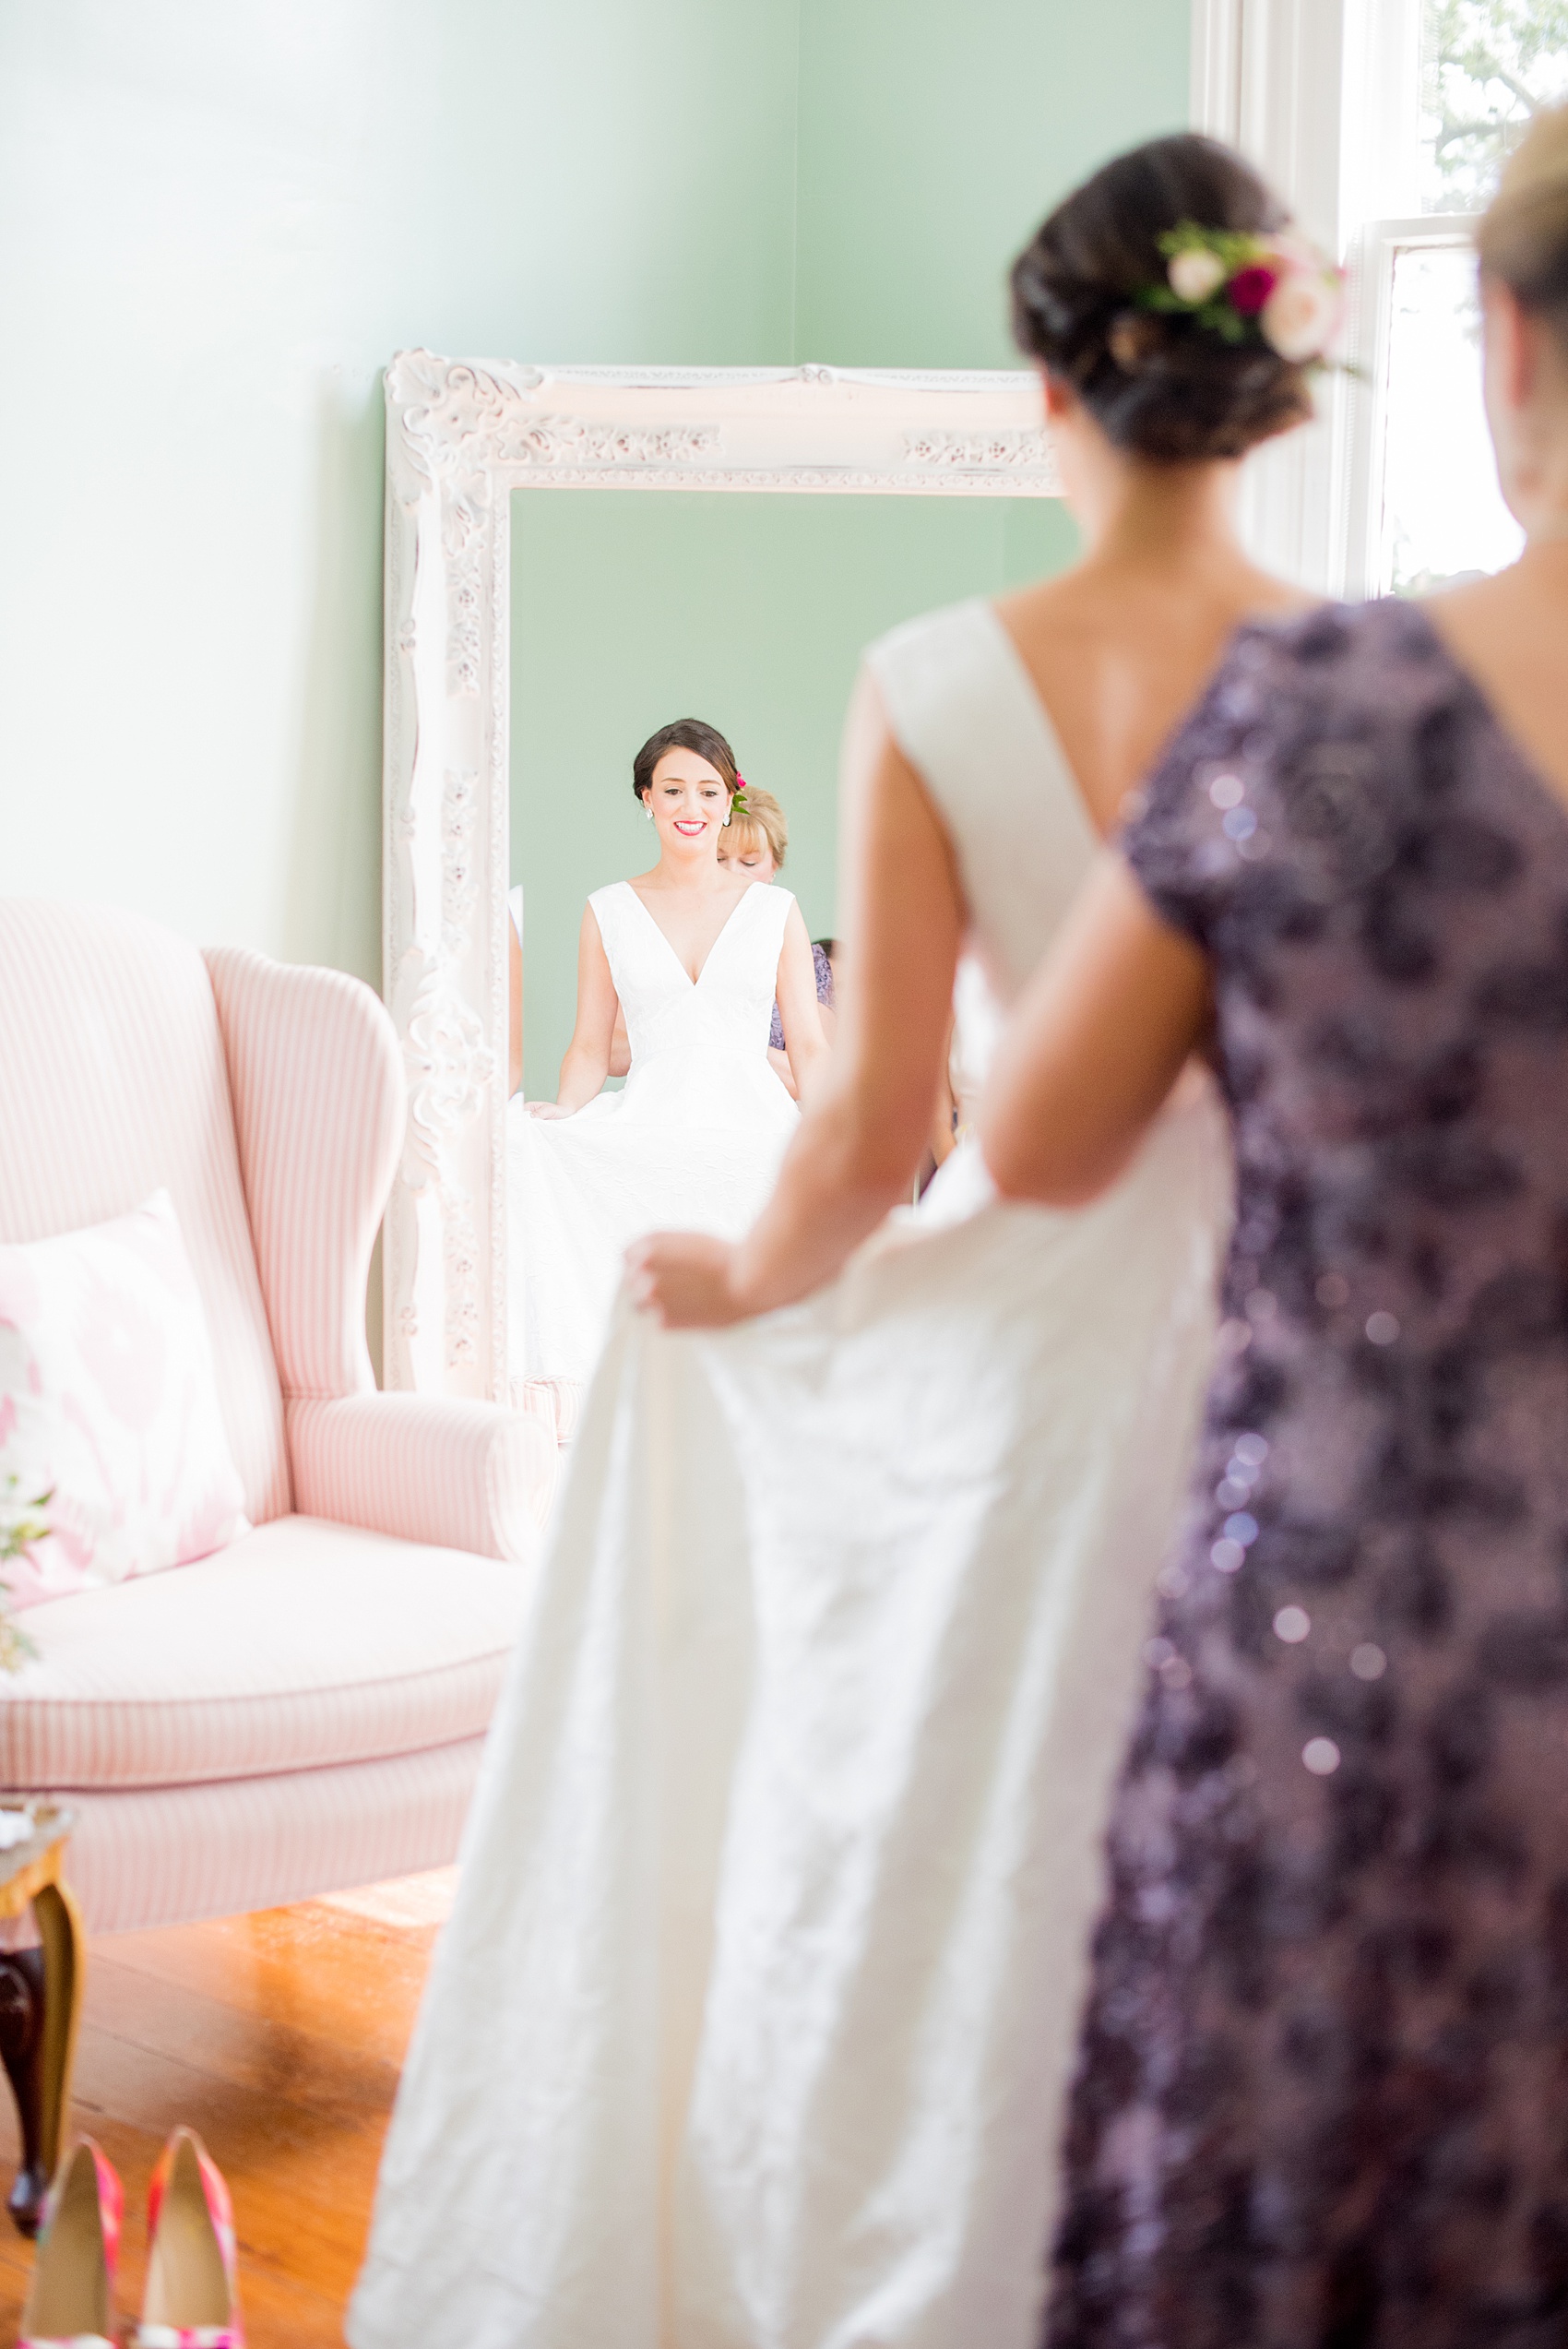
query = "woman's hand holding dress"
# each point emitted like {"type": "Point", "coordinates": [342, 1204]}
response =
{"type": "Point", "coordinates": [687, 1278]}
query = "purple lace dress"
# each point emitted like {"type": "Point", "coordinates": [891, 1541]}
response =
{"type": "Point", "coordinates": [1322, 2089]}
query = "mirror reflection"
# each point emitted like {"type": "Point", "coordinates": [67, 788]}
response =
{"type": "Point", "coordinates": [682, 666]}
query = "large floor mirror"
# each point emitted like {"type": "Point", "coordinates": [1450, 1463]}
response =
{"type": "Point", "coordinates": [544, 614]}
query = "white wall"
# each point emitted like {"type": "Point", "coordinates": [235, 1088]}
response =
{"type": "Point", "coordinates": [218, 218]}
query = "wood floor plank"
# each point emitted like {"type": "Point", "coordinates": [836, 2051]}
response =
{"type": "Point", "coordinates": [278, 2037]}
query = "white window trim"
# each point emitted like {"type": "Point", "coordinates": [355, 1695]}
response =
{"type": "Point", "coordinates": [1378, 248]}
{"type": "Point", "coordinates": [1320, 95]}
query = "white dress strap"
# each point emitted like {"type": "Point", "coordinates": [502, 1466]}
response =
{"type": "Point", "coordinates": [767, 913]}
{"type": "Point", "coordinates": [964, 712]}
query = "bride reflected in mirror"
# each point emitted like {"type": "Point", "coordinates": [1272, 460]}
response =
{"type": "Point", "coordinates": [693, 955]}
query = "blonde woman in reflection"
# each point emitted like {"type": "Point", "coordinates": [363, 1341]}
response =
{"type": "Point", "coordinates": [752, 2019]}
{"type": "Point", "coordinates": [758, 844]}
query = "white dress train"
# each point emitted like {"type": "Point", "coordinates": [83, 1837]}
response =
{"type": "Point", "coordinates": [752, 2025]}
{"type": "Point", "coordinates": [692, 1143]}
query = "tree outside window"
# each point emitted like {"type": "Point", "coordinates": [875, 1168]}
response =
{"type": "Point", "coordinates": [1488, 67]}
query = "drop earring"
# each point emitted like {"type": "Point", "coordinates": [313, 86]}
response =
{"type": "Point", "coordinates": [726, 819]}
{"type": "Point", "coordinates": [647, 811]}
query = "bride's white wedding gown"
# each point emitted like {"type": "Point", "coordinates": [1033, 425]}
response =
{"type": "Point", "coordinates": [752, 2024]}
{"type": "Point", "coordinates": [692, 1143]}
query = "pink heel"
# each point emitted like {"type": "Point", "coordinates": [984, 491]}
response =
{"type": "Point", "coordinates": [193, 2293]}
{"type": "Point", "coordinates": [70, 2302]}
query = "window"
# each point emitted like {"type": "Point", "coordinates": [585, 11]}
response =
{"type": "Point", "coordinates": [1487, 66]}
{"type": "Point", "coordinates": [1440, 514]}
{"type": "Point", "coordinates": [1430, 511]}
{"type": "Point", "coordinates": [1383, 124]}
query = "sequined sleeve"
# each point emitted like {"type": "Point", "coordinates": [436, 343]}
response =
{"type": "Point", "coordinates": [1197, 829]}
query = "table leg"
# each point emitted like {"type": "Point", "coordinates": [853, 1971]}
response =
{"type": "Point", "coordinates": [65, 1956]}
{"type": "Point", "coordinates": [22, 2049]}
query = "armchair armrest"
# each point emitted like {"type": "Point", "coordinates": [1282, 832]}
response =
{"type": "Point", "coordinates": [423, 1467]}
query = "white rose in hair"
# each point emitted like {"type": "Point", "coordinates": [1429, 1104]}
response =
{"type": "Point", "coordinates": [1299, 317]}
{"type": "Point", "coordinates": [1196, 275]}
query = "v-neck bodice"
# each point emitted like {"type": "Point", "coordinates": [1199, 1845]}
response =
{"type": "Point", "coordinates": [727, 1008]}
{"type": "Point", "coordinates": [696, 978]}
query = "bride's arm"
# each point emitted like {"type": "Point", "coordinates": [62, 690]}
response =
{"type": "Point", "coordinates": [587, 1064]}
{"type": "Point", "coordinates": [799, 1012]}
{"type": "Point", "coordinates": [863, 1130]}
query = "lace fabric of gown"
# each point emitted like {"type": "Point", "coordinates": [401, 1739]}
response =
{"type": "Point", "coordinates": [752, 2025]}
{"type": "Point", "coordinates": [692, 1142]}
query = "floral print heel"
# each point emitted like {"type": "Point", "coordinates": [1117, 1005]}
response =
{"type": "Point", "coordinates": [193, 2297]}
{"type": "Point", "coordinates": [70, 2302]}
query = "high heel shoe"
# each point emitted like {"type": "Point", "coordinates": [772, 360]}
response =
{"type": "Point", "coordinates": [71, 2297]}
{"type": "Point", "coordinates": [193, 2296]}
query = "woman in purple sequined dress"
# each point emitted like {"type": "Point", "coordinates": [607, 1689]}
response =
{"type": "Point", "coordinates": [1322, 2091]}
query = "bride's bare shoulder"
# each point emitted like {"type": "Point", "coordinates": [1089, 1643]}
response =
{"type": "Point", "coordinates": [1063, 601]}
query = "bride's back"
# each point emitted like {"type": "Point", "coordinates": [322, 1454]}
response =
{"type": "Point", "coordinates": [1030, 722]}
{"type": "Point", "coordinates": [1120, 649]}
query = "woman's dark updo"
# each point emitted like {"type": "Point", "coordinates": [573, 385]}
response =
{"type": "Point", "coordinates": [1159, 386]}
{"type": "Point", "coordinates": [685, 734]}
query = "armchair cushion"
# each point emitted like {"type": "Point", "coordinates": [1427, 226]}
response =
{"type": "Point", "coordinates": [107, 1394]}
{"type": "Point", "coordinates": [302, 1645]}
{"type": "Point", "coordinates": [424, 1468]}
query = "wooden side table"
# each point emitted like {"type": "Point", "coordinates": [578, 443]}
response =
{"type": "Point", "coordinates": [40, 1992]}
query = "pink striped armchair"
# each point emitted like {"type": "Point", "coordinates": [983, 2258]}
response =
{"type": "Point", "coordinates": [303, 1710]}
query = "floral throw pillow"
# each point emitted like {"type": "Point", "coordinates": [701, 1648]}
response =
{"type": "Point", "coordinates": [108, 1401]}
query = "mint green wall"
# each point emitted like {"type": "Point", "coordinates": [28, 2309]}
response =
{"type": "Point", "coordinates": [629, 610]}
{"type": "Point", "coordinates": [216, 222]}
{"type": "Point", "coordinates": [923, 145]}
{"type": "Point", "coordinates": [933, 140]}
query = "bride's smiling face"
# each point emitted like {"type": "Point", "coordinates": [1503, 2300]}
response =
{"type": "Point", "coordinates": [689, 803]}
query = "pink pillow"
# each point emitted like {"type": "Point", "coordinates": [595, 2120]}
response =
{"type": "Point", "coordinates": [109, 1395]}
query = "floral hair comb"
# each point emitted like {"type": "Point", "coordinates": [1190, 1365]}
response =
{"type": "Point", "coordinates": [1246, 287]}
{"type": "Point", "coordinates": [738, 803]}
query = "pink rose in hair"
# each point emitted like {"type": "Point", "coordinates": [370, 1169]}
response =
{"type": "Point", "coordinates": [1301, 316]}
{"type": "Point", "coordinates": [1250, 288]}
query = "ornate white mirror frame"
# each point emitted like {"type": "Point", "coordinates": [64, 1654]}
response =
{"type": "Point", "coordinates": [460, 436]}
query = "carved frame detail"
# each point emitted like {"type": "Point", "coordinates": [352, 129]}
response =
{"type": "Point", "coordinates": [462, 434]}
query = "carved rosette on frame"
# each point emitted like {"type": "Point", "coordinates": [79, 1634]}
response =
{"type": "Point", "coordinates": [460, 437]}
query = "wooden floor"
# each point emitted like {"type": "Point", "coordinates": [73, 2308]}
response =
{"type": "Point", "coordinates": [278, 2037]}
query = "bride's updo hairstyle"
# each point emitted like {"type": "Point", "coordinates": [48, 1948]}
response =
{"type": "Point", "coordinates": [685, 734]}
{"type": "Point", "coordinates": [1523, 239]}
{"type": "Point", "coordinates": [1160, 386]}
